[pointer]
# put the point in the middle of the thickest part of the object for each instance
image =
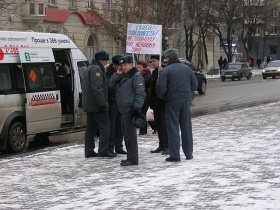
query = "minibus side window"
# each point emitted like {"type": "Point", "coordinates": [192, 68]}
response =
{"type": "Point", "coordinates": [40, 76]}
{"type": "Point", "coordinates": [34, 77]}
{"type": "Point", "coordinates": [5, 78]}
{"type": "Point", "coordinates": [48, 77]}
{"type": "Point", "coordinates": [19, 76]}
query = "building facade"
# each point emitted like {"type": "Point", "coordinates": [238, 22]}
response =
{"type": "Point", "coordinates": [67, 17]}
{"type": "Point", "coordinates": [70, 17]}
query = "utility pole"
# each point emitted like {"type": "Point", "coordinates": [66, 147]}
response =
{"type": "Point", "coordinates": [181, 29]}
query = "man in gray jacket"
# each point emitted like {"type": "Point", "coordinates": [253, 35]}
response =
{"type": "Point", "coordinates": [95, 104]}
{"type": "Point", "coordinates": [175, 85]}
{"type": "Point", "coordinates": [130, 86]}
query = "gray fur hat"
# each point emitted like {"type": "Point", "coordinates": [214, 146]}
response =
{"type": "Point", "coordinates": [170, 51]}
{"type": "Point", "coordinates": [126, 59]}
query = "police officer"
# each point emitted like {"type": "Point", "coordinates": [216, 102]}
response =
{"type": "Point", "coordinates": [95, 104]}
{"type": "Point", "coordinates": [175, 85]}
{"type": "Point", "coordinates": [116, 136]}
{"type": "Point", "coordinates": [130, 98]}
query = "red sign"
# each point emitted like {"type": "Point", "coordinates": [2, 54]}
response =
{"type": "Point", "coordinates": [42, 101]}
{"type": "Point", "coordinates": [32, 76]}
{"type": "Point", "coordinates": [1, 54]}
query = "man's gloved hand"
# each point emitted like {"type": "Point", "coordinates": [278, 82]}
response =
{"type": "Point", "coordinates": [102, 108]}
{"type": "Point", "coordinates": [136, 112]}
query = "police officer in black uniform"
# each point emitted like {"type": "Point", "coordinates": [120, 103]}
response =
{"type": "Point", "coordinates": [130, 98]}
{"type": "Point", "coordinates": [116, 136]}
{"type": "Point", "coordinates": [95, 104]}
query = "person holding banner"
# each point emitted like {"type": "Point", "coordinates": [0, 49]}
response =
{"type": "Point", "coordinates": [175, 85]}
{"type": "Point", "coordinates": [130, 96]}
{"type": "Point", "coordinates": [145, 72]}
{"type": "Point", "coordinates": [158, 106]}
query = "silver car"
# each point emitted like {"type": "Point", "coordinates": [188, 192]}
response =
{"type": "Point", "coordinates": [272, 69]}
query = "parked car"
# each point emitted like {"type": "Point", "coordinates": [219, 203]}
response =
{"type": "Point", "coordinates": [236, 71]}
{"type": "Point", "coordinates": [201, 79]}
{"type": "Point", "coordinates": [272, 69]}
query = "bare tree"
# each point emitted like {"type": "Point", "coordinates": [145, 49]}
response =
{"type": "Point", "coordinates": [190, 24]}
{"type": "Point", "coordinates": [11, 8]}
{"type": "Point", "coordinates": [224, 18]}
{"type": "Point", "coordinates": [256, 14]}
{"type": "Point", "coordinates": [204, 27]}
{"type": "Point", "coordinates": [270, 22]}
{"type": "Point", "coordinates": [196, 23]}
{"type": "Point", "coordinates": [113, 21]}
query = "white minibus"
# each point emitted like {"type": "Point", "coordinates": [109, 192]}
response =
{"type": "Point", "coordinates": [40, 86]}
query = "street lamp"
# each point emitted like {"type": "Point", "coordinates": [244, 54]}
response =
{"type": "Point", "coordinates": [166, 43]}
{"type": "Point", "coordinates": [181, 29]}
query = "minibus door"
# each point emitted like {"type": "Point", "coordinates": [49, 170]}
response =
{"type": "Point", "coordinates": [42, 103]}
{"type": "Point", "coordinates": [80, 114]}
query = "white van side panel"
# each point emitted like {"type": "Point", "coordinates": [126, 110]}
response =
{"type": "Point", "coordinates": [42, 112]}
{"type": "Point", "coordinates": [12, 40]}
{"type": "Point", "coordinates": [9, 104]}
{"type": "Point", "coordinates": [78, 55]}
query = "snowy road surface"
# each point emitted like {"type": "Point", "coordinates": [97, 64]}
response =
{"type": "Point", "coordinates": [236, 165]}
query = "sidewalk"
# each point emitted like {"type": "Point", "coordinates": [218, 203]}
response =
{"type": "Point", "coordinates": [236, 166]}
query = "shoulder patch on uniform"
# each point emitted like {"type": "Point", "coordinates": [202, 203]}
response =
{"type": "Point", "coordinates": [140, 84]}
{"type": "Point", "coordinates": [97, 74]}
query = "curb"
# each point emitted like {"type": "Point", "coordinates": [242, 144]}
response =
{"type": "Point", "coordinates": [223, 108]}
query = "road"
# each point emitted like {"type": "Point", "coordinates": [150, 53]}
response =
{"type": "Point", "coordinates": [220, 96]}
{"type": "Point", "coordinates": [229, 95]}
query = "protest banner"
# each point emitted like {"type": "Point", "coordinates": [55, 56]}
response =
{"type": "Point", "coordinates": [144, 38]}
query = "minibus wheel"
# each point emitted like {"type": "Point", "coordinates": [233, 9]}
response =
{"type": "Point", "coordinates": [17, 137]}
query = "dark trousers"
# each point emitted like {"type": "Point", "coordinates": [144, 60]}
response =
{"type": "Point", "coordinates": [130, 138]}
{"type": "Point", "coordinates": [177, 115]}
{"type": "Point", "coordinates": [153, 125]}
{"type": "Point", "coordinates": [97, 120]}
{"type": "Point", "coordinates": [116, 136]}
{"type": "Point", "coordinates": [159, 115]}
{"type": "Point", "coordinates": [144, 112]}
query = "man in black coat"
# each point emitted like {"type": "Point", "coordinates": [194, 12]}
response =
{"type": "Point", "coordinates": [116, 136]}
{"type": "Point", "coordinates": [220, 62]}
{"type": "Point", "coordinates": [158, 106]}
{"type": "Point", "coordinates": [95, 104]}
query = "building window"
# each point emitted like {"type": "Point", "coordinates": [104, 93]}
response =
{"type": "Point", "coordinates": [108, 4]}
{"type": "Point", "coordinates": [72, 3]}
{"type": "Point", "coordinates": [52, 1]}
{"type": "Point", "coordinates": [273, 30]}
{"type": "Point", "coordinates": [90, 48]}
{"type": "Point", "coordinates": [90, 3]}
{"type": "Point", "coordinates": [41, 9]}
{"type": "Point", "coordinates": [274, 13]}
{"type": "Point", "coordinates": [273, 50]}
{"type": "Point", "coordinates": [32, 8]}
{"type": "Point", "coordinates": [257, 31]}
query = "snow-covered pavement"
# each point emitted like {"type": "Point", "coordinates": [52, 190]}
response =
{"type": "Point", "coordinates": [236, 165]}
